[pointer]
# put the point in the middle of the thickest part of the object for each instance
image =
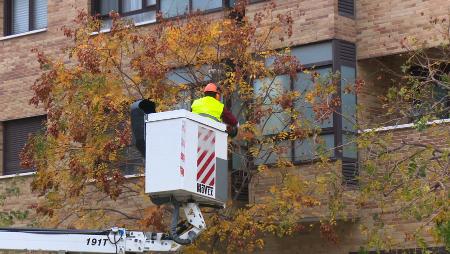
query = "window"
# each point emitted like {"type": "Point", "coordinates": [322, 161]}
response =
{"type": "Point", "coordinates": [16, 133]}
{"type": "Point", "coordinates": [22, 16]}
{"type": "Point", "coordinates": [320, 57]}
{"type": "Point", "coordinates": [138, 11]}
{"type": "Point", "coordinates": [188, 76]}
{"type": "Point", "coordinates": [338, 130]}
{"type": "Point", "coordinates": [133, 161]}
{"type": "Point", "coordinates": [173, 8]}
{"type": "Point", "coordinates": [434, 97]}
{"type": "Point", "coordinates": [144, 11]}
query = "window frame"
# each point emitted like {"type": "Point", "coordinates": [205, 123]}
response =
{"type": "Point", "coordinates": [350, 165]}
{"type": "Point", "coordinates": [42, 119]}
{"type": "Point", "coordinates": [8, 18]}
{"type": "Point", "coordinates": [145, 8]}
{"type": "Point", "coordinates": [95, 9]}
{"type": "Point", "coordinates": [324, 131]}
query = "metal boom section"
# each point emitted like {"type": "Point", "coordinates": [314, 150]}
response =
{"type": "Point", "coordinates": [115, 240]}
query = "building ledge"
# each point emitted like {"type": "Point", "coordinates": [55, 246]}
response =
{"type": "Point", "coordinates": [33, 173]}
{"type": "Point", "coordinates": [4, 38]}
{"type": "Point", "coordinates": [403, 126]}
{"type": "Point", "coordinates": [17, 175]}
{"type": "Point", "coordinates": [135, 24]}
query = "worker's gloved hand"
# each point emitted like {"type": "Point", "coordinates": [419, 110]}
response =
{"type": "Point", "coordinates": [232, 131]}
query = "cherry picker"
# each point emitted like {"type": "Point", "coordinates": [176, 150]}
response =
{"type": "Point", "coordinates": [185, 165]}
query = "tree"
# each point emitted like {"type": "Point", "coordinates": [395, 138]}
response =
{"type": "Point", "coordinates": [87, 93]}
{"type": "Point", "coordinates": [87, 98]}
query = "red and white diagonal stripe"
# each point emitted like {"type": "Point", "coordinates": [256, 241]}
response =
{"type": "Point", "coordinates": [183, 148]}
{"type": "Point", "coordinates": [206, 156]}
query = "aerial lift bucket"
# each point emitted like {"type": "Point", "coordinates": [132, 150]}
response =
{"type": "Point", "coordinates": [186, 159]}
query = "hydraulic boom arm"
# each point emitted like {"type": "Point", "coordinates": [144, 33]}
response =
{"type": "Point", "coordinates": [115, 240]}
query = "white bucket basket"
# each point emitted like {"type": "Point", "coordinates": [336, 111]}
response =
{"type": "Point", "coordinates": [186, 158]}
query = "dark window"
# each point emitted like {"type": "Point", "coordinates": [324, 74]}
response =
{"type": "Point", "coordinates": [239, 185]}
{"type": "Point", "coordinates": [346, 8]}
{"type": "Point", "coordinates": [138, 11]}
{"type": "Point", "coordinates": [434, 98]}
{"type": "Point", "coordinates": [16, 133]}
{"type": "Point", "coordinates": [133, 161]}
{"type": "Point", "coordinates": [22, 16]}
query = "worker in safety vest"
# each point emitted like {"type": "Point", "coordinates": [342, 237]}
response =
{"type": "Point", "coordinates": [210, 106]}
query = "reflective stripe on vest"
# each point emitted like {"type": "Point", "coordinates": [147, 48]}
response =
{"type": "Point", "coordinates": [208, 106]}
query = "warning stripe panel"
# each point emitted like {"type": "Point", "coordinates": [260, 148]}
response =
{"type": "Point", "coordinates": [206, 163]}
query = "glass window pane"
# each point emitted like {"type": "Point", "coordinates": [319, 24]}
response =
{"type": "Point", "coordinates": [144, 17]}
{"type": "Point", "coordinates": [313, 53]}
{"type": "Point", "coordinates": [106, 24]}
{"type": "Point", "coordinates": [348, 97]}
{"type": "Point", "coordinates": [237, 107]}
{"type": "Point", "coordinates": [304, 84]}
{"type": "Point", "coordinates": [270, 155]}
{"type": "Point", "coordinates": [202, 5]}
{"type": "Point", "coordinates": [188, 75]}
{"type": "Point", "coordinates": [20, 16]}
{"type": "Point", "coordinates": [40, 14]}
{"type": "Point", "coordinates": [238, 161]}
{"type": "Point", "coordinates": [106, 6]}
{"type": "Point", "coordinates": [172, 8]}
{"type": "Point", "coordinates": [270, 89]}
{"type": "Point", "coordinates": [151, 2]}
{"type": "Point", "coordinates": [350, 147]}
{"type": "Point", "coordinates": [309, 149]}
{"type": "Point", "coordinates": [131, 5]}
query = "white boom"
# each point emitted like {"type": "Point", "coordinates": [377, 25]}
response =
{"type": "Point", "coordinates": [115, 240]}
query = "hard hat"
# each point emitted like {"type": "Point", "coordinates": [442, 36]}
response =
{"type": "Point", "coordinates": [211, 87]}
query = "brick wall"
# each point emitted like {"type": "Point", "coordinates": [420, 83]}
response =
{"type": "Point", "coordinates": [18, 66]}
{"type": "Point", "coordinates": [378, 74]}
{"type": "Point", "coordinates": [1, 148]}
{"type": "Point", "coordinates": [313, 20]}
{"type": "Point", "coordinates": [345, 28]}
{"type": "Point", "coordinates": [382, 24]}
{"type": "Point", "coordinates": [2, 16]}
{"type": "Point", "coordinates": [23, 198]}
{"type": "Point", "coordinates": [350, 235]}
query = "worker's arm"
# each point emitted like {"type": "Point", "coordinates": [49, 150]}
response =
{"type": "Point", "coordinates": [228, 117]}
{"type": "Point", "coordinates": [231, 121]}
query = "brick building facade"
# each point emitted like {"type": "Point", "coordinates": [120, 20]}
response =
{"type": "Point", "coordinates": [371, 30]}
